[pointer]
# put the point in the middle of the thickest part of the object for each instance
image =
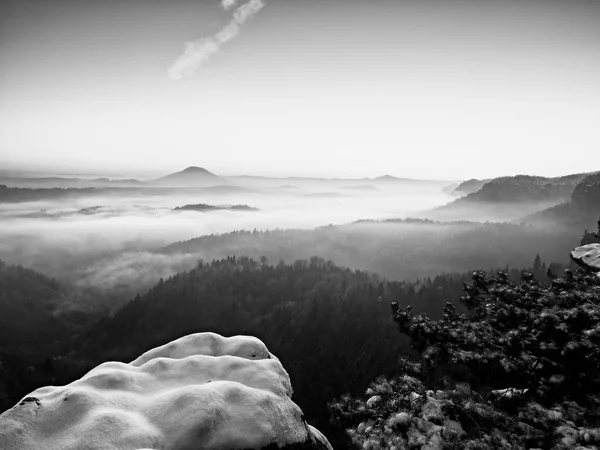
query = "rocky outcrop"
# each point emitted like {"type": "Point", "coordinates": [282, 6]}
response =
{"type": "Point", "coordinates": [202, 391]}
{"type": "Point", "coordinates": [587, 256]}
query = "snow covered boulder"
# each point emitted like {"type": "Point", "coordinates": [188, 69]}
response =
{"type": "Point", "coordinates": [202, 391]}
{"type": "Point", "coordinates": [587, 256]}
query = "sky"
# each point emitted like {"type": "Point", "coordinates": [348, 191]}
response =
{"type": "Point", "coordinates": [451, 89]}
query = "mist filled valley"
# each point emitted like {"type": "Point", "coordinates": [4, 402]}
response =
{"type": "Point", "coordinates": [121, 241]}
{"type": "Point", "coordinates": [84, 266]}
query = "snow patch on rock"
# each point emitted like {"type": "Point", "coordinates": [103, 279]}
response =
{"type": "Point", "coordinates": [201, 391]}
{"type": "Point", "coordinates": [587, 256]}
{"type": "Point", "coordinates": [210, 344]}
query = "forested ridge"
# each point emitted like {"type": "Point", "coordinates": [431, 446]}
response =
{"type": "Point", "coordinates": [39, 314]}
{"type": "Point", "coordinates": [37, 323]}
{"type": "Point", "coordinates": [521, 188]}
{"type": "Point", "coordinates": [397, 249]}
{"type": "Point", "coordinates": [568, 201]}
{"type": "Point", "coordinates": [578, 211]}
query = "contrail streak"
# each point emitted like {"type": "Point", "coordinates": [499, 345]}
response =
{"type": "Point", "coordinates": [198, 52]}
{"type": "Point", "coordinates": [228, 4]}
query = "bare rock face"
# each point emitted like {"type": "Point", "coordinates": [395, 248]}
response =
{"type": "Point", "coordinates": [587, 256]}
{"type": "Point", "coordinates": [202, 391]}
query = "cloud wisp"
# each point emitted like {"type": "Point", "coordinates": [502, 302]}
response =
{"type": "Point", "coordinates": [198, 52]}
{"type": "Point", "coordinates": [228, 4]}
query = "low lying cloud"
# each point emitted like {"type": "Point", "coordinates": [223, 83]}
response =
{"type": "Point", "coordinates": [110, 242]}
{"type": "Point", "coordinates": [137, 270]}
{"type": "Point", "coordinates": [198, 52]}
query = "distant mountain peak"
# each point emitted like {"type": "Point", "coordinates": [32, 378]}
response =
{"type": "Point", "coordinates": [195, 169]}
{"type": "Point", "coordinates": [190, 177]}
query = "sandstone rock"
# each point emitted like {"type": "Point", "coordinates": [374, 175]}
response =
{"type": "Point", "coordinates": [587, 256]}
{"type": "Point", "coordinates": [202, 391]}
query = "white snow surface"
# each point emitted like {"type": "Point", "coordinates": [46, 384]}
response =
{"type": "Point", "coordinates": [210, 344]}
{"type": "Point", "coordinates": [587, 256]}
{"type": "Point", "coordinates": [202, 391]}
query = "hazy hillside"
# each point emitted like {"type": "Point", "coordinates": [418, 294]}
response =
{"type": "Point", "coordinates": [64, 182]}
{"type": "Point", "coordinates": [35, 309]}
{"type": "Point", "coordinates": [14, 195]}
{"type": "Point", "coordinates": [203, 207]}
{"type": "Point", "coordinates": [17, 195]}
{"type": "Point", "coordinates": [469, 187]}
{"type": "Point", "coordinates": [191, 177]}
{"type": "Point", "coordinates": [384, 183]}
{"type": "Point", "coordinates": [508, 198]}
{"type": "Point", "coordinates": [586, 196]}
{"type": "Point", "coordinates": [580, 211]}
{"type": "Point", "coordinates": [396, 249]}
{"type": "Point", "coordinates": [28, 302]}
{"type": "Point", "coordinates": [525, 188]}
{"type": "Point", "coordinates": [39, 320]}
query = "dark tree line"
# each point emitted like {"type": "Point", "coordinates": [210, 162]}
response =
{"type": "Point", "coordinates": [396, 249]}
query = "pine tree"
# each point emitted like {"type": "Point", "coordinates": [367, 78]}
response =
{"type": "Point", "coordinates": [520, 370]}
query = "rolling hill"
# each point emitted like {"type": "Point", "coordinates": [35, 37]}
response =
{"type": "Point", "coordinates": [191, 177]}
{"type": "Point", "coordinates": [580, 211]}
{"type": "Point", "coordinates": [469, 187]}
{"type": "Point", "coordinates": [509, 198]}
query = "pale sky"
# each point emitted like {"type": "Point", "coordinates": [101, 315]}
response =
{"type": "Point", "coordinates": [450, 89]}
